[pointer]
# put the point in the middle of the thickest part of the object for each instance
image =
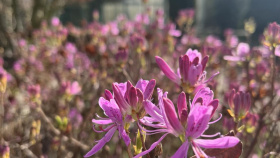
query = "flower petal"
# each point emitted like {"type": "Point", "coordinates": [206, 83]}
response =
{"type": "Point", "coordinates": [182, 104]}
{"type": "Point", "coordinates": [142, 84]}
{"type": "Point", "coordinates": [204, 62]}
{"type": "Point", "coordinates": [108, 94]}
{"type": "Point", "coordinates": [223, 142]}
{"type": "Point", "coordinates": [194, 73]}
{"type": "Point", "coordinates": [111, 109]}
{"type": "Point", "coordinates": [203, 96]}
{"type": "Point", "coordinates": [182, 152]}
{"type": "Point", "coordinates": [197, 150]}
{"type": "Point", "coordinates": [132, 97]}
{"type": "Point", "coordinates": [119, 97]}
{"type": "Point", "coordinates": [184, 64]}
{"type": "Point", "coordinates": [167, 70]}
{"type": "Point", "coordinates": [101, 142]}
{"type": "Point", "coordinates": [124, 136]}
{"type": "Point", "coordinates": [153, 110]}
{"type": "Point", "coordinates": [149, 89]}
{"type": "Point", "coordinates": [214, 103]}
{"type": "Point", "coordinates": [198, 120]}
{"type": "Point", "coordinates": [172, 116]}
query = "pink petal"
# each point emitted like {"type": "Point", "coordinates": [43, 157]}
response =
{"type": "Point", "coordinates": [124, 136]}
{"type": "Point", "coordinates": [128, 86]}
{"type": "Point", "coordinates": [184, 65]}
{"type": "Point", "coordinates": [142, 84]}
{"type": "Point", "coordinates": [194, 73]}
{"type": "Point", "coordinates": [108, 94]}
{"type": "Point", "coordinates": [75, 88]}
{"type": "Point", "coordinates": [172, 116]}
{"type": "Point", "coordinates": [101, 142]}
{"type": "Point", "coordinates": [198, 120]}
{"type": "Point", "coordinates": [223, 142]}
{"type": "Point", "coordinates": [140, 96]}
{"type": "Point", "coordinates": [149, 89]}
{"type": "Point", "coordinates": [204, 62]}
{"type": "Point", "coordinates": [122, 87]}
{"type": "Point", "coordinates": [214, 103]}
{"type": "Point", "coordinates": [192, 54]}
{"type": "Point", "coordinates": [182, 152]}
{"type": "Point", "coordinates": [111, 109]}
{"type": "Point", "coordinates": [152, 110]}
{"type": "Point", "coordinates": [121, 102]}
{"type": "Point", "coordinates": [205, 94]}
{"type": "Point", "coordinates": [132, 97]}
{"type": "Point", "coordinates": [197, 150]}
{"type": "Point", "coordinates": [167, 70]}
{"type": "Point", "coordinates": [182, 104]}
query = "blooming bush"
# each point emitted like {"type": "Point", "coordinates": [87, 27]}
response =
{"type": "Point", "coordinates": [226, 92]}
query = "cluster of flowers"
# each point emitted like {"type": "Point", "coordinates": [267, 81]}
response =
{"type": "Point", "coordinates": [130, 103]}
{"type": "Point", "coordinates": [62, 70]}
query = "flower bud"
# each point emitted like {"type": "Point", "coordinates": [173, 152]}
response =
{"type": "Point", "coordinates": [239, 103]}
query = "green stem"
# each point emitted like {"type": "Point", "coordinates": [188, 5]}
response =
{"type": "Point", "coordinates": [142, 140]}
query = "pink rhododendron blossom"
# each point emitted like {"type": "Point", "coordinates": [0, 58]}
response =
{"type": "Point", "coordinates": [114, 121]}
{"type": "Point", "coordinates": [188, 124]}
{"type": "Point", "coordinates": [191, 71]}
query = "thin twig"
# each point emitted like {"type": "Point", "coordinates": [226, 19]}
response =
{"type": "Point", "coordinates": [127, 75]}
{"type": "Point", "coordinates": [71, 140]}
{"type": "Point", "coordinates": [253, 143]}
{"type": "Point", "coordinates": [129, 151]}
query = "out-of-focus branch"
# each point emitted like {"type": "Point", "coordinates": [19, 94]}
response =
{"type": "Point", "coordinates": [71, 140]}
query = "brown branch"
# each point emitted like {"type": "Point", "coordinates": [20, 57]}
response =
{"type": "Point", "coordinates": [56, 131]}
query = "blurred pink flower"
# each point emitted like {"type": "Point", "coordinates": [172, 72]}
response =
{"type": "Point", "coordinates": [71, 88]}
{"type": "Point", "coordinates": [239, 103]}
{"type": "Point", "coordinates": [242, 51]}
{"type": "Point", "coordinates": [55, 21]}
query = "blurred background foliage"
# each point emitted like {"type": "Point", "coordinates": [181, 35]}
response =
{"type": "Point", "coordinates": [212, 16]}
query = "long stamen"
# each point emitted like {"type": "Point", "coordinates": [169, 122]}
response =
{"type": "Point", "coordinates": [101, 129]}
{"type": "Point", "coordinates": [213, 135]}
{"type": "Point", "coordinates": [209, 79]}
{"type": "Point", "coordinates": [216, 120]}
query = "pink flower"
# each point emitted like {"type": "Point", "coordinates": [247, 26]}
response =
{"type": "Point", "coordinates": [71, 88]}
{"type": "Point", "coordinates": [114, 121]}
{"type": "Point", "coordinates": [242, 51]}
{"type": "Point", "coordinates": [239, 104]}
{"type": "Point", "coordinates": [55, 21]}
{"type": "Point", "coordinates": [129, 98]}
{"type": "Point", "coordinates": [142, 18]}
{"type": "Point", "coordinates": [191, 71]}
{"type": "Point", "coordinates": [171, 30]}
{"type": "Point", "coordinates": [272, 35]}
{"type": "Point", "coordinates": [198, 121]}
{"type": "Point", "coordinates": [34, 90]}
{"type": "Point", "coordinates": [184, 124]}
